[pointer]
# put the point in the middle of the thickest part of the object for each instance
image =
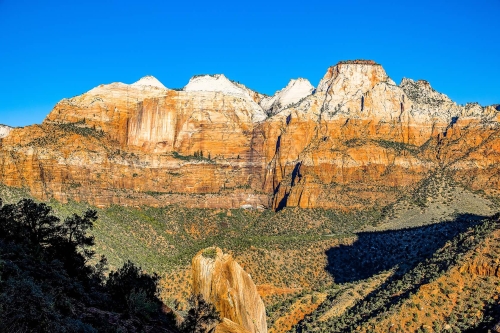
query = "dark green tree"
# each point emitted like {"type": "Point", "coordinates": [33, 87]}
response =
{"type": "Point", "coordinates": [29, 223]}
{"type": "Point", "coordinates": [48, 285]}
{"type": "Point", "coordinates": [129, 286]}
{"type": "Point", "coordinates": [201, 318]}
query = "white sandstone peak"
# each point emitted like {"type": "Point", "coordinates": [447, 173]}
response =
{"type": "Point", "coordinates": [216, 83]}
{"type": "Point", "coordinates": [220, 83]}
{"type": "Point", "coordinates": [4, 131]}
{"type": "Point", "coordinates": [146, 86]}
{"type": "Point", "coordinates": [346, 85]}
{"type": "Point", "coordinates": [149, 81]}
{"type": "Point", "coordinates": [295, 91]}
{"type": "Point", "coordinates": [353, 75]}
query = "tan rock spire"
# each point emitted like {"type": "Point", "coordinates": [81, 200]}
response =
{"type": "Point", "coordinates": [222, 282]}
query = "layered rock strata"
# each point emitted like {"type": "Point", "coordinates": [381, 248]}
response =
{"type": "Point", "coordinates": [358, 140]}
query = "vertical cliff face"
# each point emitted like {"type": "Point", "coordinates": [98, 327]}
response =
{"type": "Point", "coordinates": [144, 144]}
{"type": "Point", "coordinates": [222, 282]}
{"type": "Point", "coordinates": [361, 136]}
{"type": "Point", "coordinates": [357, 141]}
{"type": "Point", "coordinates": [107, 107]}
{"type": "Point", "coordinates": [340, 137]}
{"type": "Point", "coordinates": [214, 123]}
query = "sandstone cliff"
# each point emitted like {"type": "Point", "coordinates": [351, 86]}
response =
{"type": "Point", "coordinates": [359, 140]}
{"type": "Point", "coordinates": [361, 136]}
{"type": "Point", "coordinates": [222, 282]}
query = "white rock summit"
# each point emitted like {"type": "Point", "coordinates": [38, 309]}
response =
{"type": "Point", "coordinates": [218, 83]}
{"type": "Point", "coordinates": [295, 91]}
{"type": "Point", "coordinates": [149, 81]}
{"type": "Point", "coordinates": [4, 130]}
{"type": "Point", "coordinates": [147, 86]}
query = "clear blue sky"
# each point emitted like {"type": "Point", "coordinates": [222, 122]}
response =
{"type": "Point", "coordinates": [50, 50]}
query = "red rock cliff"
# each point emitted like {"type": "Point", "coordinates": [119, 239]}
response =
{"type": "Point", "coordinates": [358, 141]}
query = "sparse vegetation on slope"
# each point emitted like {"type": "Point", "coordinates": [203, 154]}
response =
{"type": "Point", "coordinates": [387, 300]}
{"type": "Point", "coordinates": [332, 268]}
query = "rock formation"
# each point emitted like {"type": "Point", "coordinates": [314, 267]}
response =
{"type": "Point", "coordinates": [359, 140]}
{"type": "Point", "coordinates": [294, 92]}
{"type": "Point", "coordinates": [149, 81]}
{"type": "Point", "coordinates": [222, 282]}
{"type": "Point", "coordinates": [4, 131]}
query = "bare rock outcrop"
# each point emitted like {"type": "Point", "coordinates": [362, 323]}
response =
{"type": "Point", "coordinates": [222, 282]}
{"type": "Point", "coordinates": [293, 93]}
{"type": "Point", "coordinates": [4, 131]}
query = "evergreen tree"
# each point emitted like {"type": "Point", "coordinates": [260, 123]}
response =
{"type": "Point", "coordinates": [201, 318]}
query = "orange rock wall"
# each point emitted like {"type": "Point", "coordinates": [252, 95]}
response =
{"type": "Point", "coordinates": [359, 141]}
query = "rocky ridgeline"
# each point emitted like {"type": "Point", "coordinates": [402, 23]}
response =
{"type": "Point", "coordinates": [357, 140]}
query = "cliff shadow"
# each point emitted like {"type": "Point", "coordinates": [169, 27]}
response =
{"type": "Point", "coordinates": [375, 252]}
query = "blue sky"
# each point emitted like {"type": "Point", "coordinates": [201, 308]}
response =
{"type": "Point", "coordinates": [50, 50]}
